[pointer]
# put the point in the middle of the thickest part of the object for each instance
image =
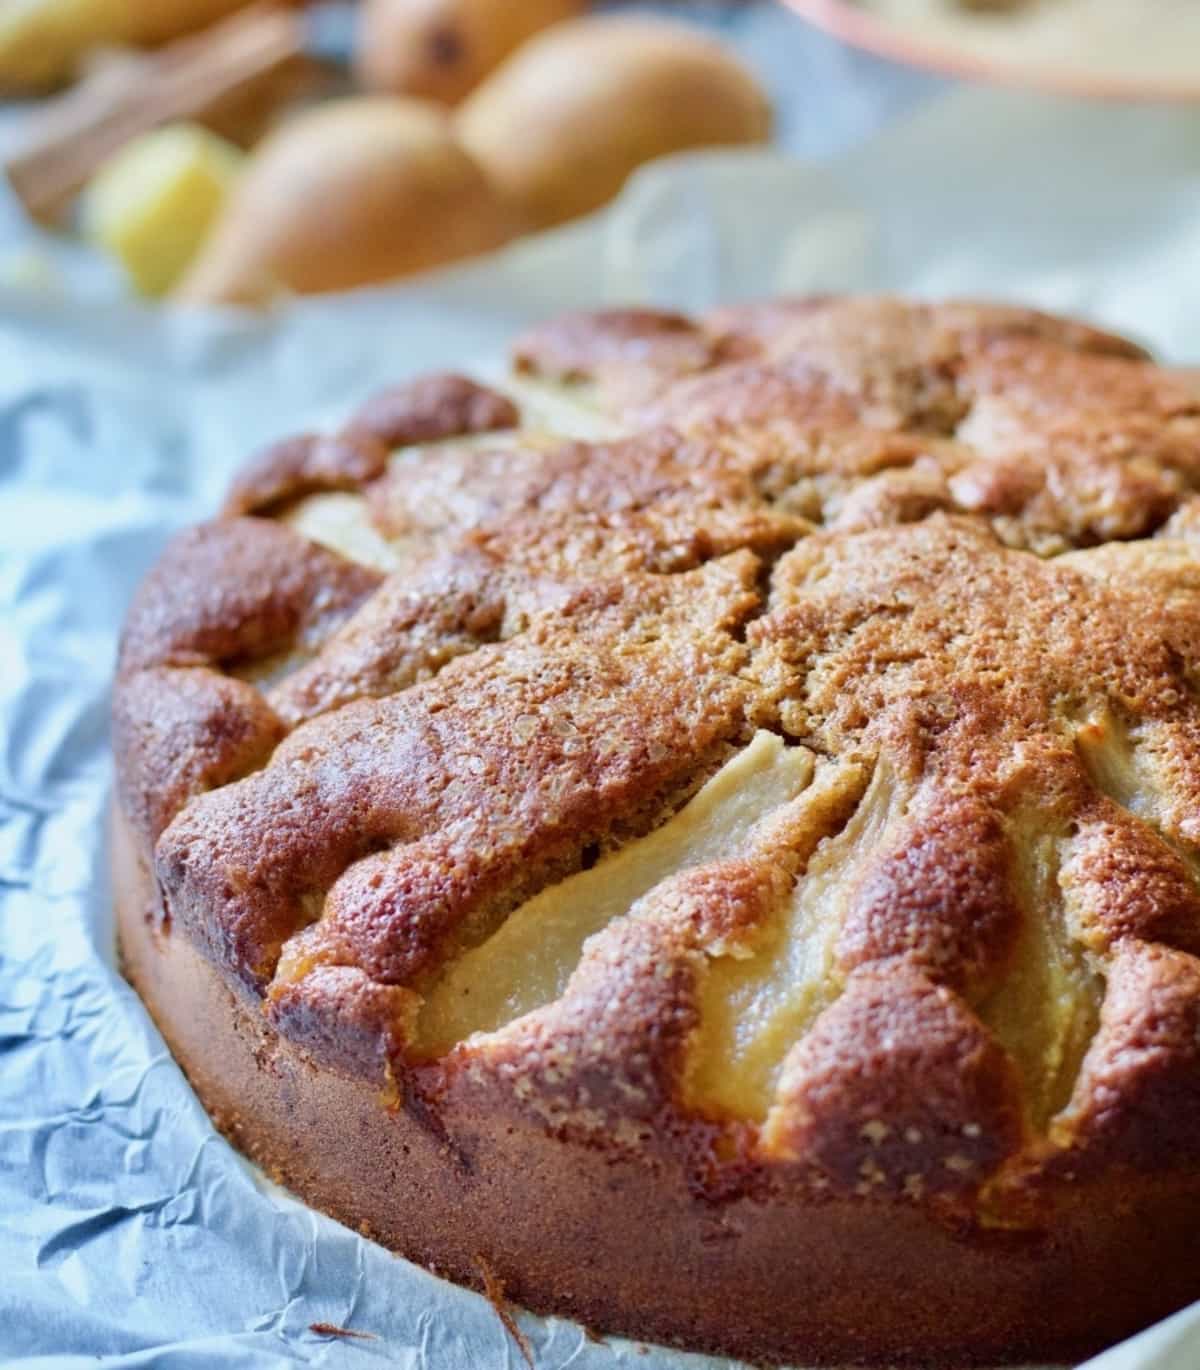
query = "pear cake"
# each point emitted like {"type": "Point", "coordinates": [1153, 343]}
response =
{"type": "Point", "coordinates": [702, 829]}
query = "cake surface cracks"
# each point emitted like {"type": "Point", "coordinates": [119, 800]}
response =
{"type": "Point", "coordinates": [805, 749]}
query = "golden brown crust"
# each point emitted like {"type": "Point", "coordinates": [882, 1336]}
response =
{"type": "Point", "coordinates": [879, 324]}
{"type": "Point", "coordinates": [441, 405]}
{"type": "Point", "coordinates": [582, 347]}
{"type": "Point", "coordinates": [936, 984]}
{"type": "Point", "coordinates": [881, 361]}
{"type": "Point", "coordinates": [476, 1179]}
{"type": "Point", "coordinates": [404, 633]}
{"type": "Point", "coordinates": [941, 898]}
{"type": "Point", "coordinates": [1138, 1101]}
{"type": "Point", "coordinates": [236, 591]}
{"type": "Point", "coordinates": [503, 768]}
{"type": "Point", "coordinates": [947, 647]}
{"type": "Point", "coordinates": [224, 595]}
{"type": "Point", "coordinates": [304, 465]}
{"type": "Point", "coordinates": [457, 489]}
{"type": "Point", "coordinates": [897, 1089]}
{"type": "Point", "coordinates": [178, 731]}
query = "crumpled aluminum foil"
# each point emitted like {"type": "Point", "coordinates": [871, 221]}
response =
{"type": "Point", "coordinates": [130, 1230]}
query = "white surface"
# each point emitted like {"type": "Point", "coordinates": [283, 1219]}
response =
{"type": "Point", "coordinates": [130, 1230]}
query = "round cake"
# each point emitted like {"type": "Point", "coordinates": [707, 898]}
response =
{"type": "Point", "coordinates": [702, 829]}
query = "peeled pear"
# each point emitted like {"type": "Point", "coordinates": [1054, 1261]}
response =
{"type": "Point", "coordinates": [442, 49]}
{"type": "Point", "coordinates": [43, 41]}
{"type": "Point", "coordinates": [345, 194]}
{"type": "Point", "coordinates": [153, 202]}
{"type": "Point", "coordinates": [561, 124]}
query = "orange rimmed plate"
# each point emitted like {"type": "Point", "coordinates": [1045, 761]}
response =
{"type": "Point", "coordinates": [1110, 49]}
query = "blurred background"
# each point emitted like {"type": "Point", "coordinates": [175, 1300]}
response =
{"type": "Point", "coordinates": [214, 152]}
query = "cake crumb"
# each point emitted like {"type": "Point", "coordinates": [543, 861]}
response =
{"type": "Point", "coordinates": [331, 1329]}
{"type": "Point", "coordinates": [493, 1288]}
